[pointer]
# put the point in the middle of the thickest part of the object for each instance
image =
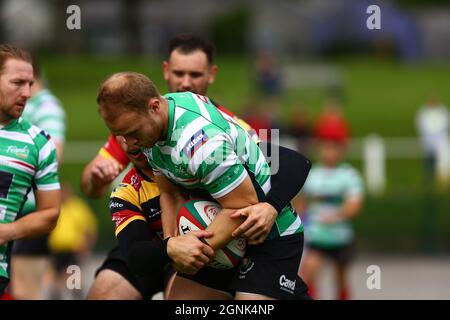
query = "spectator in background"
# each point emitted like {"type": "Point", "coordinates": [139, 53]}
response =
{"type": "Point", "coordinates": [70, 242]}
{"type": "Point", "coordinates": [300, 128]}
{"type": "Point", "coordinates": [269, 84]}
{"type": "Point", "coordinates": [268, 75]}
{"type": "Point", "coordinates": [432, 123]}
{"type": "Point", "coordinates": [331, 121]}
{"type": "Point", "coordinates": [331, 197]}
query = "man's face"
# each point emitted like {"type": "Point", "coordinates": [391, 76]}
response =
{"type": "Point", "coordinates": [134, 153]}
{"type": "Point", "coordinates": [139, 129]}
{"type": "Point", "coordinates": [16, 80]}
{"type": "Point", "coordinates": [331, 152]}
{"type": "Point", "coordinates": [189, 72]}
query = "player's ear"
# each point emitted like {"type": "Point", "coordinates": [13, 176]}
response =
{"type": "Point", "coordinates": [166, 70]}
{"type": "Point", "coordinates": [212, 74]}
{"type": "Point", "coordinates": [154, 104]}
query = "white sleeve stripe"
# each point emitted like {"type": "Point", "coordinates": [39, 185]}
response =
{"type": "Point", "coordinates": [48, 187]}
{"type": "Point", "coordinates": [202, 107]}
{"type": "Point", "coordinates": [266, 186]}
{"type": "Point", "coordinates": [178, 113]}
{"type": "Point", "coordinates": [51, 168]}
{"type": "Point", "coordinates": [259, 163]}
{"type": "Point", "coordinates": [46, 150]}
{"type": "Point", "coordinates": [293, 227]}
{"type": "Point", "coordinates": [221, 169]}
{"type": "Point", "coordinates": [231, 186]}
{"type": "Point", "coordinates": [233, 132]}
{"type": "Point", "coordinates": [16, 136]}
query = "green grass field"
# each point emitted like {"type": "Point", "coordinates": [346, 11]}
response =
{"type": "Point", "coordinates": [380, 97]}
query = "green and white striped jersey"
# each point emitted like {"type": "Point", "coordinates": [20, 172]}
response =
{"type": "Point", "coordinates": [207, 149]}
{"type": "Point", "coordinates": [27, 160]}
{"type": "Point", "coordinates": [45, 111]}
{"type": "Point", "coordinates": [326, 189]}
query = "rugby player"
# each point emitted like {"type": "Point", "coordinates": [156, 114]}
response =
{"type": "Point", "coordinates": [27, 161]}
{"type": "Point", "coordinates": [193, 145]}
{"type": "Point", "coordinates": [30, 259]}
{"type": "Point", "coordinates": [331, 198]}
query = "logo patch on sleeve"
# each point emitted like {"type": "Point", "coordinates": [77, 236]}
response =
{"type": "Point", "coordinates": [195, 142]}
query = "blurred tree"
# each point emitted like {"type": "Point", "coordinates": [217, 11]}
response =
{"type": "Point", "coordinates": [229, 30]}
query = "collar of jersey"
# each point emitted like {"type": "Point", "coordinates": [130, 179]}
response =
{"type": "Point", "coordinates": [170, 119]}
{"type": "Point", "coordinates": [9, 125]}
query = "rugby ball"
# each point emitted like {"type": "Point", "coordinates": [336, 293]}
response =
{"type": "Point", "coordinates": [197, 215]}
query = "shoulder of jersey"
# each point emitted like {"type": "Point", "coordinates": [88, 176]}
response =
{"type": "Point", "coordinates": [32, 130]}
{"type": "Point", "coordinates": [133, 178]}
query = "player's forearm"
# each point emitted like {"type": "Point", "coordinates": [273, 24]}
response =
{"type": "Point", "coordinates": [290, 178]}
{"type": "Point", "coordinates": [222, 226]}
{"type": "Point", "coordinates": [34, 224]}
{"type": "Point", "coordinates": [170, 203]}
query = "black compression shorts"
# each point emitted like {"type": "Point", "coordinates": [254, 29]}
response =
{"type": "Point", "coordinates": [147, 286]}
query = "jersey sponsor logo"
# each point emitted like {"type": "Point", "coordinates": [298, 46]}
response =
{"type": "Point", "coordinates": [115, 205]}
{"type": "Point", "coordinates": [18, 152]}
{"type": "Point", "coordinates": [286, 284]}
{"type": "Point", "coordinates": [195, 142]}
{"type": "Point", "coordinates": [45, 134]}
{"type": "Point", "coordinates": [154, 213]}
{"type": "Point", "coordinates": [135, 181]}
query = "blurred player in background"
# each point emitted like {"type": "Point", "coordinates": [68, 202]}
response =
{"type": "Point", "coordinates": [28, 161]}
{"type": "Point", "coordinates": [331, 197]}
{"type": "Point", "coordinates": [432, 123]}
{"type": "Point", "coordinates": [30, 259]}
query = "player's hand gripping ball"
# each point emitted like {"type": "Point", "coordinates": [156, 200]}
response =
{"type": "Point", "coordinates": [197, 215]}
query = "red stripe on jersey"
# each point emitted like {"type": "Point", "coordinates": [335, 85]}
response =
{"type": "Point", "coordinates": [24, 164]}
{"type": "Point", "coordinates": [121, 217]}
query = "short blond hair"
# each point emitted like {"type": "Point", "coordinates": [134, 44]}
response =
{"type": "Point", "coordinates": [129, 90]}
{"type": "Point", "coordinates": [10, 52]}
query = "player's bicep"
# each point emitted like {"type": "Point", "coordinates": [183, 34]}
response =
{"type": "Point", "coordinates": [220, 171]}
{"type": "Point", "coordinates": [242, 196]}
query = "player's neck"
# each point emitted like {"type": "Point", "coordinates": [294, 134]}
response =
{"type": "Point", "coordinates": [165, 119]}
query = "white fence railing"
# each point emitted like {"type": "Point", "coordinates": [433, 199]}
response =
{"type": "Point", "coordinates": [373, 150]}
